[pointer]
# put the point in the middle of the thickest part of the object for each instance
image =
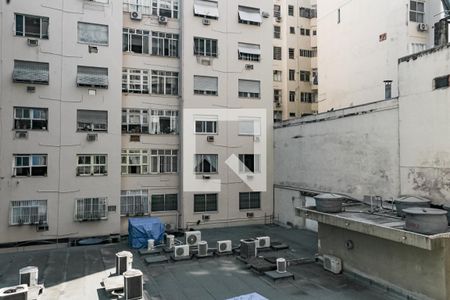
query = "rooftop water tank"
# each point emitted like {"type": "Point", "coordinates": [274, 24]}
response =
{"type": "Point", "coordinates": [329, 203]}
{"type": "Point", "coordinates": [408, 202]}
{"type": "Point", "coordinates": [426, 220]}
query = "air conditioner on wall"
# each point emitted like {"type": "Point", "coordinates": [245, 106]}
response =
{"type": "Point", "coordinates": [135, 15]}
{"type": "Point", "coordinates": [224, 246]}
{"type": "Point", "coordinates": [422, 27]}
{"type": "Point", "coordinates": [206, 22]}
{"type": "Point", "coordinates": [21, 134]}
{"type": "Point", "coordinates": [332, 264]}
{"type": "Point", "coordinates": [263, 242]}
{"type": "Point", "coordinates": [33, 42]}
{"type": "Point", "coordinates": [193, 237]}
{"type": "Point", "coordinates": [181, 251]}
{"type": "Point", "coordinates": [210, 138]}
{"type": "Point", "coordinates": [91, 137]}
{"type": "Point", "coordinates": [162, 20]}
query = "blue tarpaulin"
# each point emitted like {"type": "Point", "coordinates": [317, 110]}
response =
{"type": "Point", "coordinates": [140, 230]}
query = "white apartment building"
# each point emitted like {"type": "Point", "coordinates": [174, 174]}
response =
{"type": "Point", "coordinates": [360, 44]}
{"type": "Point", "coordinates": [79, 154]}
{"type": "Point", "coordinates": [295, 72]}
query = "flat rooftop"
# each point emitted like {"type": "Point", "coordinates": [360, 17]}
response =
{"type": "Point", "coordinates": [77, 272]}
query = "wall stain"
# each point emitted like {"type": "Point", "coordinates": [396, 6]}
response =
{"type": "Point", "coordinates": [433, 183]}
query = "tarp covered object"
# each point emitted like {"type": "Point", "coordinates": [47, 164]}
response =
{"type": "Point", "coordinates": [252, 296]}
{"type": "Point", "coordinates": [140, 230]}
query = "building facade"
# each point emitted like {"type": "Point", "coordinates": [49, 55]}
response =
{"type": "Point", "coordinates": [295, 72]}
{"type": "Point", "coordinates": [115, 110]}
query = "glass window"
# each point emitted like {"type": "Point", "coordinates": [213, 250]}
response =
{"type": "Point", "coordinates": [136, 41]}
{"type": "Point", "coordinates": [90, 165]}
{"type": "Point", "coordinates": [32, 26]}
{"type": "Point", "coordinates": [205, 202]}
{"type": "Point", "coordinates": [28, 212]}
{"type": "Point", "coordinates": [135, 162]}
{"type": "Point", "coordinates": [205, 47]}
{"type": "Point", "coordinates": [90, 209]}
{"type": "Point", "coordinates": [206, 163]}
{"type": "Point", "coordinates": [164, 161]}
{"type": "Point", "coordinates": [95, 34]}
{"type": "Point", "coordinates": [164, 202]}
{"type": "Point", "coordinates": [135, 81]}
{"type": "Point", "coordinates": [164, 83]}
{"type": "Point", "coordinates": [92, 120]}
{"type": "Point", "coordinates": [165, 44]}
{"type": "Point", "coordinates": [30, 165]}
{"type": "Point", "coordinates": [30, 118]}
{"type": "Point", "coordinates": [250, 200]}
{"type": "Point", "coordinates": [134, 203]}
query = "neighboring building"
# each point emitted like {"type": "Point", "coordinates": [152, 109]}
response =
{"type": "Point", "coordinates": [295, 73]}
{"type": "Point", "coordinates": [82, 149]}
{"type": "Point", "coordinates": [360, 43]}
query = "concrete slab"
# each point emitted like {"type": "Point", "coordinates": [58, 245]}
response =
{"type": "Point", "coordinates": [274, 275]}
{"type": "Point", "coordinates": [113, 283]}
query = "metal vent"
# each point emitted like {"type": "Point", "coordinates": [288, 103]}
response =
{"type": "Point", "coordinates": [223, 247]}
{"type": "Point", "coordinates": [262, 243]}
{"type": "Point", "coordinates": [192, 239]}
{"type": "Point", "coordinates": [180, 251]}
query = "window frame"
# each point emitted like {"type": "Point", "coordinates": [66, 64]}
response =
{"type": "Point", "coordinates": [213, 209]}
{"type": "Point", "coordinates": [143, 164]}
{"type": "Point", "coordinates": [93, 129]}
{"type": "Point", "coordinates": [164, 161]}
{"type": "Point", "coordinates": [127, 40]}
{"type": "Point", "coordinates": [199, 167]}
{"type": "Point", "coordinates": [249, 206]}
{"type": "Point", "coordinates": [42, 34]}
{"type": "Point", "coordinates": [201, 42]}
{"type": "Point", "coordinates": [32, 118]}
{"type": "Point", "coordinates": [155, 121]}
{"type": "Point", "coordinates": [416, 12]}
{"type": "Point", "coordinates": [26, 216]}
{"type": "Point", "coordinates": [30, 165]}
{"type": "Point", "coordinates": [305, 76]}
{"type": "Point", "coordinates": [244, 168]}
{"type": "Point", "coordinates": [135, 81]}
{"type": "Point", "coordinates": [277, 53]}
{"type": "Point", "coordinates": [207, 92]}
{"type": "Point", "coordinates": [165, 41]}
{"type": "Point", "coordinates": [133, 200]}
{"type": "Point", "coordinates": [276, 32]}
{"type": "Point", "coordinates": [204, 127]}
{"type": "Point", "coordinates": [166, 207]}
{"type": "Point", "coordinates": [166, 80]}
{"type": "Point", "coordinates": [95, 168]}
{"type": "Point", "coordinates": [92, 42]}
{"type": "Point", "coordinates": [129, 126]}
{"type": "Point", "coordinates": [249, 95]}
{"type": "Point", "coordinates": [101, 213]}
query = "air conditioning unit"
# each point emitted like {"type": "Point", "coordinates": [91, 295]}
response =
{"type": "Point", "coordinates": [256, 139]}
{"type": "Point", "coordinates": [278, 19]}
{"type": "Point", "coordinates": [281, 265]}
{"type": "Point", "coordinates": [169, 227]}
{"type": "Point", "coordinates": [263, 242]}
{"type": "Point", "coordinates": [91, 137]}
{"type": "Point", "coordinates": [248, 248]}
{"type": "Point", "coordinates": [422, 27]}
{"type": "Point", "coordinates": [181, 251]}
{"type": "Point", "coordinates": [265, 14]}
{"type": "Point", "coordinates": [249, 67]}
{"type": "Point", "coordinates": [206, 22]}
{"type": "Point", "coordinates": [169, 241]}
{"type": "Point", "coordinates": [133, 285]}
{"type": "Point", "coordinates": [210, 138]}
{"type": "Point", "coordinates": [135, 138]}
{"type": "Point", "coordinates": [124, 261]}
{"type": "Point", "coordinates": [206, 177]}
{"type": "Point", "coordinates": [332, 264]}
{"type": "Point", "coordinates": [18, 292]}
{"type": "Point", "coordinates": [33, 42]}
{"type": "Point", "coordinates": [224, 246]}
{"type": "Point", "coordinates": [162, 20]}
{"type": "Point", "coordinates": [135, 15]}
{"type": "Point", "coordinates": [21, 134]}
{"type": "Point", "coordinates": [278, 104]}
{"type": "Point", "coordinates": [202, 248]}
{"type": "Point", "coordinates": [93, 49]}
{"type": "Point", "coordinates": [29, 276]}
{"type": "Point", "coordinates": [42, 227]}
{"type": "Point", "coordinates": [205, 61]}
{"type": "Point", "coordinates": [250, 215]}
{"type": "Point", "coordinates": [193, 237]}
{"type": "Point", "coordinates": [31, 89]}
{"type": "Point", "coordinates": [205, 217]}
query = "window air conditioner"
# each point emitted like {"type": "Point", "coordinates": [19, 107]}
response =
{"type": "Point", "coordinates": [31, 89]}
{"type": "Point", "coordinates": [206, 22]}
{"type": "Point", "coordinates": [210, 138]}
{"type": "Point", "coordinates": [249, 67]}
{"type": "Point", "coordinates": [21, 134]}
{"type": "Point", "coordinates": [162, 20]}
{"type": "Point", "coordinates": [181, 251]}
{"type": "Point", "coordinates": [135, 138]}
{"type": "Point", "coordinates": [29, 276]}
{"type": "Point", "coordinates": [91, 137]}
{"type": "Point", "coordinates": [193, 238]}
{"type": "Point", "coordinates": [206, 177]}
{"type": "Point", "coordinates": [422, 27]}
{"type": "Point", "coordinates": [332, 264]}
{"type": "Point", "coordinates": [224, 246]}
{"type": "Point", "coordinates": [263, 242]}
{"type": "Point", "coordinates": [33, 42]}
{"type": "Point", "coordinates": [278, 19]}
{"type": "Point", "coordinates": [265, 14]}
{"type": "Point", "coordinates": [135, 15]}
{"type": "Point", "coordinates": [205, 217]}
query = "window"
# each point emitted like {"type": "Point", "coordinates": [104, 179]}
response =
{"type": "Point", "coordinates": [291, 96]}
{"type": "Point", "coordinates": [417, 47]}
{"type": "Point", "coordinates": [135, 121]}
{"type": "Point", "coordinates": [28, 212]}
{"type": "Point", "coordinates": [164, 161]}
{"type": "Point", "coordinates": [164, 121]}
{"type": "Point", "coordinates": [207, 9]}
{"type": "Point", "coordinates": [94, 34]}
{"type": "Point", "coordinates": [249, 200]}
{"type": "Point", "coordinates": [277, 53]}
{"type": "Point", "coordinates": [205, 85]}
{"type": "Point", "coordinates": [92, 120]}
{"type": "Point", "coordinates": [416, 11]}
{"type": "Point", "coordinates": [205, 47]}
{"type": "Point", "coordinates": [135, 40]}
{"type": "Point", "coordinates": [292, 30]}
{"type": "Point", "coordinates": [314, 32]}
{"type": "Point", "coordinates": [32, 26]}
{"type": "Point", "coordinates": [277, 96]}
{"type": "Point", "coordinates": [206, 125]}
{"type": "Point", "coordinates": [291, 10]}
{"type": "Point", "coordinates": [277, 75]}
{"type": "Point", "coordinates": [308, 53]}
{"type": "Point", "coordinates": [305, 76]}
{"type": "Point", "coordinates": [165, 44]}
{"type": "Point", "coordinates": [315, 77]}
{"type": "Point", "coordinates": [90, 209]}
{"type": "Point", "coordinates": [291, 53]}
{"type": "Point", "coordinates": [142, 6]}
{"type": "Point", "coordinates": [249, 88]}
{"type": "Point", "coordinates": [135, 162]}
{"type": "Point", "coordinates": [92, 77]}
{"type": "Point", "coordinates": [30, 118]}
{"type": "Point", "coordinates": [134, 202]}
{"type": "Point", "coordinates": [276, 32]}
{"type": "Point", "coordinates": [277, 11]}
{"type": "Point", "coordinates": [165, 8]}
{"type": "Point", "coordinates": [249, 15]}
{"type": "Point", "coordinates": [164, 202]}
{"type": "Point", "coordinates": [292, 75]}
{"type": "Point", "coordinates": [442, 82]}
{"type": "Point", "coordinates": [205, 202]}
{"type": "Point", "coordinates": [307, 97]}
{"type": "Point", "coordinates": [31, 72]}
{"type": "Point", "coordinates": [206, 163]}
{"type": "Point", "coordinates": [250, 52]}
{"type": "Point", "coordinates": [306, 13]}
{"type": "Point", "coordinates": [292, 115]}
{"type": "Point", "coordinates": [304, 31]}
{"type": "Point", "coordinates": [249, 163]}
{"type": "Point", "coordinates": [249, 126]}
{"type": "Point", "coordinates": [135, 81]}
{"type": "Point", "coordinates": [165, 83]}
{"type": "Point", "coordinates": [339, 15]}
{"type": "Point", "coordinates": [89, 165]}
{"type": "Point", "coordinates": [30, 165]}
{"type": "Point", "coordinates": [277, 116]}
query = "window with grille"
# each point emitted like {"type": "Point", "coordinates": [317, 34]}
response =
{"type": "Point", "coordinates": [135, 81]}
{"type": "Point", "coordinates": [206, 163]}
{"type": "Point", "coordinates": [165, 44]}
{"type": "Point", "coordinates": [416, 11]}
{"type": "Point", "coordinates": [206, 85]}
{"type": "Point", "coordinates": [30, 165]}
{"type": "Point", "coordinates": [277, 95]}
{"type": "Point", "coordinates": [92, 120]}
{"type": "Point", "coordinates": [164, 121]}
{"type": "Point", "coordinates": [28, 212]}
{"type": "Point", "coordinates": [291, 96]}
{"type": "Point", "coordinates": [164, 83]}
{"type": "Point", "coordinates": [134, 203]}
{"type": "Point", "coordinates": [249, 88]}
{"type": "Point", "coordinates": [249, 163]}
{"type": "Point", "coordinates": [164, 161]}
{"type": "Point", "coordinates": [164, 202]}
{"type": "Point", "coordinates": [135, 121]}
{"type": "Point", "coordinates": [30, 118]}
{"type": "Point", "coordinates": [90, 209]}
{"type": "Point", "coordinates": [250, 200]}
{"type": "Point", "coordinates": [292, 75]}
{"type": "Point", "coordinates": [305, 76]}
{"type": "Point", "coordinates": [277, 53]}
{"type": "Point", "coordinates": [205, 47]}
{"type": "Point", "coordinates": [277, 75]}
{"type": "Point", "coordinates": [32, 26]}
{"type": "Point", "coordinates": [308, 53]}
{"type": "Point", "coordinates": [135, 162]}
{"type": "Point", "coordinates": [277, 32]}
{"type": "Point", "coordinates": [206, 126]}
{"type": "Point", "coordinates": [93, 34]}
{"type": "Point", "coordinates": [136, 40]}
{"type": "Point", "coordinates": [90, 165]}
{"type": "Point", "coordinates": [205, 202]}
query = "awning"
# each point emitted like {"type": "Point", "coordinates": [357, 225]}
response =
{"type": "Point", "coordinates": [249, 48]}
{"type": "Point", "coordinates": [205, 83]}
{"type": "Point", "coordinates": [30, 72]}
{"type": "Point", "coordinates": [206, 8]}
{"type": "Point", "coordinates": [249, 86]}
{"type": "Point", "coordinates": [250, 14]}
{"type": "Point", "coordinates": [92, 77]}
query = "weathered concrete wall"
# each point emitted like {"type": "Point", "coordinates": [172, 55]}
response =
{"type": "Point", "coordinates": [352, 151]}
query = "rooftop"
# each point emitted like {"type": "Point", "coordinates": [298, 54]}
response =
{"type": "Point", "coordinates": [76, 272]}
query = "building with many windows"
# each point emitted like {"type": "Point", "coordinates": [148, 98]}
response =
{"type": "Point", "coordinates": [149, 107]}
